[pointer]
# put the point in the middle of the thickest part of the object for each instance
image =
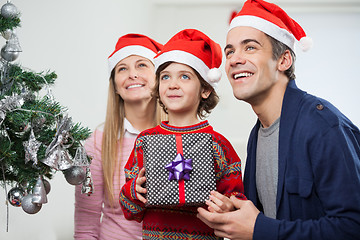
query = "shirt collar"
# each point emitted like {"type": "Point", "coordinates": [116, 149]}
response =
{"type": "Point", "coordinates": [129, 128]}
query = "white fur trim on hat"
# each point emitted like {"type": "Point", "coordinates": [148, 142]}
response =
{"type": "Point", "coordinates": [214, 75]}
{"type": "Point", "coordinates": [185, 58]}
{"type": "Point", "coordinates": [305, 43]}
{"type": "Point", "coordinates": [265, 26]}
{"type": "Point", "coordinates": [127, 51]}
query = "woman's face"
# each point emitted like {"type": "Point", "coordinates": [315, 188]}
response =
{"type": "Point", "coordinates": [134, 78]}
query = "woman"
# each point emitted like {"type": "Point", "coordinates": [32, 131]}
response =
{"type": "Point", "coordinates": [130, 110]}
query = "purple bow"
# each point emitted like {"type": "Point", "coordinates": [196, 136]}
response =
{"type": "Point", "coordinates": [179, 168]}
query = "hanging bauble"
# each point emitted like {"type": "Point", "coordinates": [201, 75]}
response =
{"type": "Point", "coordinates": [47, 186]}
{"type": "Point", "coordinates": [39, 193]}
{"type": "Point", "coordinates": [56, 154]}
{"type": "Point", "coordinates": [31, 148]}
{"type": "Point", "coordinates": [9, 55]}
{"type": "Point", "coordinates": [65, 161]}
{"type": "Point", "coordinates": [7, 33]}
{"type": "Point", "coordinates": [15, 196]}
{"type": "Point", "coordinates": [10, 52]}
{"type": "Point", "coordinates": [28, 206]}
{"type": "Point", "coordinates": [75, 175]}
{"type": "Point", "coordinates": [88, 185]}
{"type": "Point", "coordinates": [52, 159]}
{"type": "Point", "coordinates": [9, 10]}
{"type": "Point", "coordinates": [80, 158]}
{"type": "Point", "coordinates": [14, 44]}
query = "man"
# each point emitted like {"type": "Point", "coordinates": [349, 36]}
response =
{"type": "Point", "coordinates": [302, 173]}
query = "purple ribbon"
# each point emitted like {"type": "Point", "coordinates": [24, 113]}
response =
{"type": "Point", "coordinates": [179, 168]}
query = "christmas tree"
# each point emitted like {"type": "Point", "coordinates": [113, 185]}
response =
{"type": "Point", "coordinates": [37, 137]}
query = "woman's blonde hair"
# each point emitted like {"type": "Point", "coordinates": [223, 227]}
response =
{"type": "Point", "coordinates": [113, 134]}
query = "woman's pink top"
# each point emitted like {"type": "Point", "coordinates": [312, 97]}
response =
{"type": "Point", "coordinates": [94, 217]}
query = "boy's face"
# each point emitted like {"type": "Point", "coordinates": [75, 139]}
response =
{"type": "Point", "coordinates": [180, 90]}
{"type": "Point", "coordinates": [249, 66]}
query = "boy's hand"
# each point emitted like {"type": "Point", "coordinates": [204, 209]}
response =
{"type": "Point", "coordinates": [140, 180]}
{"type": "Point", "coordinates": [219, 203]}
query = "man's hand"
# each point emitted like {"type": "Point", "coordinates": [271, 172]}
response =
{"type": "Point", "coordinates": [235, 225]}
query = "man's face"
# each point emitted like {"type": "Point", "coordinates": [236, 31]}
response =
{"type": "Point", "coordinates": [250, 68]}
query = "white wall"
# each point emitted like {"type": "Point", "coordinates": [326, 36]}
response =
{"type": "Point", "coordinates": [74, 39]}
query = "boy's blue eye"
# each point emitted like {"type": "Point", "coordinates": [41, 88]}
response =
{"type": "Point", "coordinates": [142, 65]}
{"type": "Point", "coordinates": [165, 77]}
{"type": "Point", "coordinates": [185, 76]}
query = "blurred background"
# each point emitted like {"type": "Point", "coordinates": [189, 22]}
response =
{"type": "Point", "coordinates": [74, 39]}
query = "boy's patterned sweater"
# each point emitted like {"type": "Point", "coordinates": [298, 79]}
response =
{"type": "Point", "coordinates": [180, 222]}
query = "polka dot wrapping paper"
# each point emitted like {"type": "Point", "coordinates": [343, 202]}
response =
{"type": "Point", "coordinates": [160, 150]}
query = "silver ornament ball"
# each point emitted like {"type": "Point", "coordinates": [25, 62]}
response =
{"type": "Point", "coordinates": [28, 206]}
{"type": "Point", "coordinates": [9, 55]}
{"type": "Point", "coordinates": [9, 10]}
{"type": "Point", "coordinates": [15, 196]}
{"type": "Point", "coordinates": [75, 175]}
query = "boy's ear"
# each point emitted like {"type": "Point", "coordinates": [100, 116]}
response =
{"type": "Point", "coordinates": [285, 61]}
{"type": "Point", "coordinates": [205, 93]}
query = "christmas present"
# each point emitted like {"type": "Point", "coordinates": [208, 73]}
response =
{"type": "Point", "coordinates": [179, 169]}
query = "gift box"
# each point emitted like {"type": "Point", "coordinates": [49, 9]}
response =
{"type": "Point", "coordinates": [179, 169]}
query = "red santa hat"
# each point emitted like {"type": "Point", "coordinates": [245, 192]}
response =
{"type": "Point", "coordinates": [133, 44]}
{"type": "Point", "coordinates": [272, 20]}
{"type": "Point", "coordinates": [195, 49]}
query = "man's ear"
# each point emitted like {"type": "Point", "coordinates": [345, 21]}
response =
{"type": "Point", "coordinates": [205, 93]}
{"type": "Point", "coordinates": [285, 61]}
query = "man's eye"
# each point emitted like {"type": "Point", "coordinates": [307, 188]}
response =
{"type": "Point", "coordinates": [249, 48]}
{"type": "Point", "coordinates": [227, 53]}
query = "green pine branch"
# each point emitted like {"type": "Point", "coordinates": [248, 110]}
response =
{"type": "Point", "coordinates": [9, 23]}
{"type": "Point", "coordinates": [32, 114]}
{"type": "Point", "coordinates": [33, 81]}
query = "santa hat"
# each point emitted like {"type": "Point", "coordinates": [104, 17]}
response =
{"type": "Point", "coordinates": [195, 49]}
{"type": "Point", "coordinates": [272, 20]}
{"type": "Point", "coordinates": [133, 44]}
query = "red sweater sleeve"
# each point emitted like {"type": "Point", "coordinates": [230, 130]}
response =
{"type": "Point", "coordinates": [132, 207]}
{"type": "Point", "coordinates": [227, 168]}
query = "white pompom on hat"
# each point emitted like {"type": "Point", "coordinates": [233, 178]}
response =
{"type": "Point", "coordinates": [272, 20]}
{"type": "Point", "coordinates": [133, 44]}
{"type": "Point", "coordinates": [195, 49]}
